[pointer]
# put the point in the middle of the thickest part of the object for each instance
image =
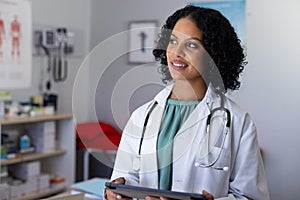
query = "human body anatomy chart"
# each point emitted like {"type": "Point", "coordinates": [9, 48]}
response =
{"type": "Point", "coordinates": [15, 44]}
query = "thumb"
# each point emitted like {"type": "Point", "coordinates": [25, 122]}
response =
{"type": "Point", "coordinates": [207, 195]}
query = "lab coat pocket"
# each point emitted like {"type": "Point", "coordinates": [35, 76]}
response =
{"type": "Point", "coordinates": [212, 171]}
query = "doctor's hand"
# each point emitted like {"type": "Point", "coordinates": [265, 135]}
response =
{"type": "Point", "coordinates": [207, 195]}
{"type": "Point", "coordinates": [109, 195]}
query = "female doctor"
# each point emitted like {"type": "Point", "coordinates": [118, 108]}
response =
{"type": "Point", "coordinates": [191, 137]}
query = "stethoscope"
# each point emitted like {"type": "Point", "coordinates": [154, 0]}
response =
{"type": "Point", "coordinates": [227, 126]}
{"type": "Point", "coordinates": [136, 160]}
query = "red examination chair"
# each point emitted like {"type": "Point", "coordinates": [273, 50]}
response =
{"type": "Point", "coordinates": [99, 141]}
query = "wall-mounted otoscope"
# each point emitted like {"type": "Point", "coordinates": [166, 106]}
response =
{"type": "Point", "coordinates": [56, 45]}
{"type": "Point", "coordinates": [60, 64]}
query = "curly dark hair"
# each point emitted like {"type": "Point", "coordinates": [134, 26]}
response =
{"type": "Point", "coordinates": [219, 40]}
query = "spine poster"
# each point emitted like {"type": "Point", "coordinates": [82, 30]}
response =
{"type": "Point", "coordinates": [15, 44]}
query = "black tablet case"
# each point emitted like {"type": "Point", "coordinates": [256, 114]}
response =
{"type": "Point", "coordinates": [142, 192]}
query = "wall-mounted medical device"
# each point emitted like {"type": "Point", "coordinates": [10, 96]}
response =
{"type": "Point", "coordinates": [49, 38]}
{"type": "Point", "coordinates": [56, 44]}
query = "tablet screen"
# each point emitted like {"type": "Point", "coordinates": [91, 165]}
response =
{"type": "Point", "coordinates": [142, 192]}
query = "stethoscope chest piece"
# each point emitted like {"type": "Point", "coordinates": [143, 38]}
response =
{"type": "Point", "coordinates": [136, 163]}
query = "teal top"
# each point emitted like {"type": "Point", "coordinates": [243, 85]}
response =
{"type": "Point", "coordinates": [175, 114]}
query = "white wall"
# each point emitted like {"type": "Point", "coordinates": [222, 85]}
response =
{"type": "Point", "coordinates": [108, 21]}
{"type": "Point", "coordinates": [269, 91]}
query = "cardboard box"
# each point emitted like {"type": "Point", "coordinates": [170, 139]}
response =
{"type": "Point", "coordinates": [17, 190]}
{"type": "Point", "coordinates": [58, 183]}
{"type": "Point", "coordinates": [3, 171]}
{"type": "Point", "coordinates": [43, 182]}
{"type": "Point", "coordinates": [4, 191]}
{"type": "Point", "coordinates": [26, 170]}
{"type": "Point", "coordinates": [14, 189]}
{"type": "Point", "coordinates": [42, 136]}
{"type": "Point", "coordinates": [31, 185]}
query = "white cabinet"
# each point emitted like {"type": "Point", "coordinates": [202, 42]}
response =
{"type": "Point", "coordinates": [61, 161]}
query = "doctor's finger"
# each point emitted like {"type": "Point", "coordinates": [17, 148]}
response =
{"type": "Point", "coordinates": [109, 195]}
{"type": "Point", "coordinates": [207, 195]}
{"type": "Point", "coordinates": [120, 180]}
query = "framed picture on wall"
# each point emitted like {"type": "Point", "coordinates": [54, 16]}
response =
{"type": "Point", "coordinates": [142, 35]}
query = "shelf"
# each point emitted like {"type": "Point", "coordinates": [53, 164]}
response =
{"type": "Point", "coordinates": [60, 162]}
{"type": "Point", "coordinates": [21, 120]}
{"type": "Point", "coordinates": [43, 194]}
{"type": "Point", "coordinates": [32, 157]}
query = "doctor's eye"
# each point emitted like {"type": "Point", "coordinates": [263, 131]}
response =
{"type": "Point", "coordinates": [172, 41]}
{"type": "Point", "coordinates": [192, 45]}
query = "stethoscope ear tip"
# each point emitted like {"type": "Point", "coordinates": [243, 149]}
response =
{"type": "Point", "coordinates": [225, 169]}
{"type": "Point", "coordinates": [197, 164]}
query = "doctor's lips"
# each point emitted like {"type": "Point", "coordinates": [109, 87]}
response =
{"type": "Point", "coordinates": [178, 65]}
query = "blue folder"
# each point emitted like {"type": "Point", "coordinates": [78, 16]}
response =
{"type": "Point", "coordinates": [94, 186]}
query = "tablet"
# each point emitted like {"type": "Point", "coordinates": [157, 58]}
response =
{"type": "Point", "coordinates": [142, 192]}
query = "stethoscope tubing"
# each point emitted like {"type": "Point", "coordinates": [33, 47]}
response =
{"type": "Point", "coordinates": [145, 126]}
{"type": "Point", "coordinates": [208, 121]}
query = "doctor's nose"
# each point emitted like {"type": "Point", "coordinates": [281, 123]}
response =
{"type": "Point", "coordinates": [177, 50]}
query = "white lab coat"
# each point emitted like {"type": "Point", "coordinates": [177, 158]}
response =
{"type": "Point", "coordinates": [245, 178]}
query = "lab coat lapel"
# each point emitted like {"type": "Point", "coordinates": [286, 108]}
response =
{"type": "Point", "coordinates": [200, 113]}
{"type": "Point", "coordinates": [148, 151]}
{"type": "Point", "coordinates": [202, 110]}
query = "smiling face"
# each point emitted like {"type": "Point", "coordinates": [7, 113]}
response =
{"type": "Point", "coordinates": [185, 53]}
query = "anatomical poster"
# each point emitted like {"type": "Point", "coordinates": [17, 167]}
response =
{"type": "Point", "coordinates": [15, 44]}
